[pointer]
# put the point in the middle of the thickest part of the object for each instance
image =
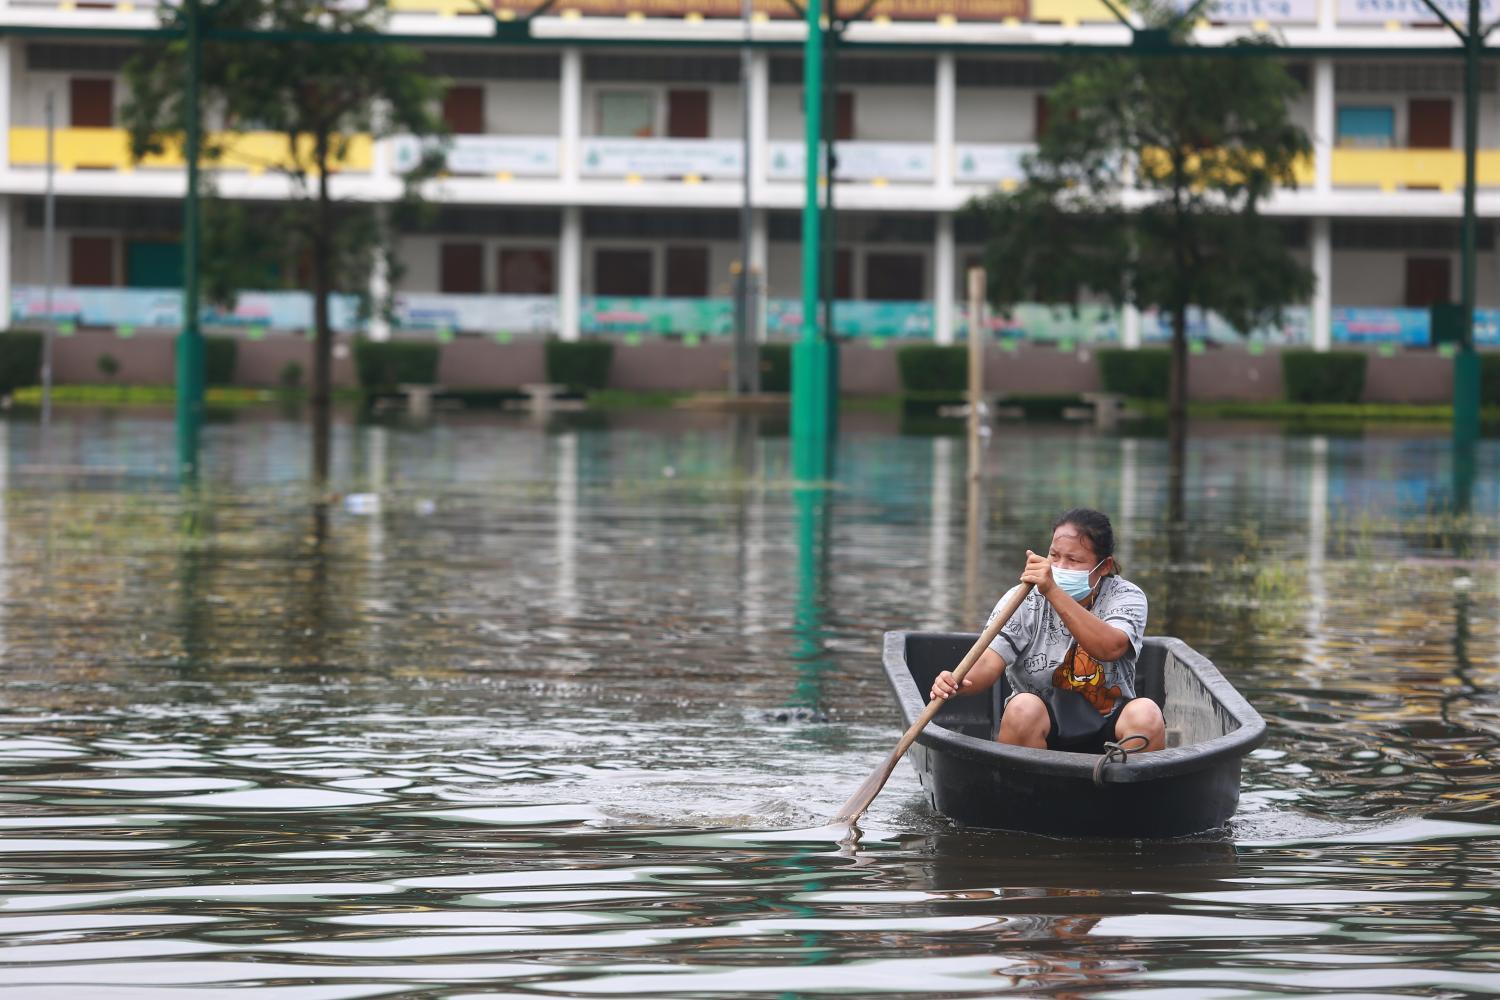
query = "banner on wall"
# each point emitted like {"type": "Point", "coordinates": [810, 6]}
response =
{"type": "Point", "coordinates": [161, 308]}
{"type": "Point", "coordinates": [482, 154]}
{"type": "Point", "coordinates": [533, 315]}
{"type": "Point", "coordinates": [896, 10]}
{"type": "Point", "coordinates": [1412, 11]}
{"type": "Point", "coordinates": [1254, 11]}
{"type": "Point", "coordinates": [1207, 327]}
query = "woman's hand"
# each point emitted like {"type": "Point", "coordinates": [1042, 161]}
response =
{"type": "Point", "coordinates": [943, 686]}
{"type": "Point", "coordinates": [1038, 573]}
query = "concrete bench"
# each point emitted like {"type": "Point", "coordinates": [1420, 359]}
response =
{"type": "Point", "coordinates": [418, 398]}
{"type": "Point", "coordinates": [1108, 407]}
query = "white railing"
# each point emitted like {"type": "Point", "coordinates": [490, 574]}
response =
{"type": "Point", "coordinates": [896, 162]}
{"type": "Point", "coordinates": [491, 155]}
{"type": "Point", "coordinates": [657, 158]}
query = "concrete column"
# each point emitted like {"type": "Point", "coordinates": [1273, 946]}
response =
{"type": "Point", "coordinates": [943, 280]}
{"type": "Point", "coordinates": [1130, 326]}
{"type": "Point", "coordinates": [760, 120]}
{"type": "Point", "coordinates": [5, 258]}
{"type": "Point", "coordinates": [1322, 300]}
{"type": "Point", "coordinates": [380, 290]}
{"type": "Point", "coordinates": [944, 116]}
{"type": "Point", "coordinates": [1323, 125]}
{"type": "Point", "coordinates": [571, 113]}
{"type": "Point", "coordinates": [1128, 511]}
{"type": "Point", "coordinates": [6, 81]}
{"type": "Point", "coordinates": [760, 242]}
{"type": "Point", "coordinates": [570, 273]}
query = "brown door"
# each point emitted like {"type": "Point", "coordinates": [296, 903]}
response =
{"type": "Point", "coordinates": [463, 110]}
{"type": "Point", "coordinates": [462, 269]}
{"type": "Point", "coordinates": [1430, 123]}
{"type": "Point", "coordinates": [895, 277]}
{"type": "Point", "coordinates": [622, 272]}
{"type": "Point", "coordinates": [1043, 114]}
{"type": "Point", "coordinates": [91, 103]}
{"type": "Point", "coordinates": [687, 272]}
{"type": "Point", "coordinates": [1428, 280]}
{"type": "Point", "coordinates": [843, 116]}
{"type": "Point", "coordinates": [687, 114]}
{"type": "Point", "coordinates": [91, 261]}
{"type": "Point", "coordinates": [843, 275]}
{"type": "Point", "coordinates": [526, 271]}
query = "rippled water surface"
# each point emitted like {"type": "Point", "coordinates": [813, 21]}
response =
{"type": "Point", "coordinates": [563, 710]}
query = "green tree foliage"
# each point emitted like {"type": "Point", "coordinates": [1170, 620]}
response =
{"type": "Point", "coordinates": [1146, 186]}
{"type": "Point", "coordinates": [280, 66]}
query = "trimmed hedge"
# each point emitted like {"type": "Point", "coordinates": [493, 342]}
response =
{"type": "Point", "coordinates": [775, 367]}
{"type": "Point", "coordinates": [20, 359]}
{"type": "Point", "coordinates": [580, 365]}
{"type": "Point", "coordinates": [1323, 376]}
{"type": "Point", "coordinates": [933, 367]}
{"type": "Point", "coordinates": [1142, 373]}
{"type": "Point", "coordinates": [219, 354]}
{"type": "Point", "coordinates": [1489, 378]}
{"type": "Point", "coordinates": [385, 364]}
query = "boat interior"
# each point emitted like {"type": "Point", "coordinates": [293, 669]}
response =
{"type": "Point", "coordinates": [1192, 713]}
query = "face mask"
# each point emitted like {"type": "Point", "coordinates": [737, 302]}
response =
{"type": "Point", "coordinates": [1074, 582]}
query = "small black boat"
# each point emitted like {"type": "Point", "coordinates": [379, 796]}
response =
{"type": "Point", "coordinates": [1191, 787]}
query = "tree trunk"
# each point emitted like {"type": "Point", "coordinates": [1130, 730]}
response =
{"type": "Point", "coordinates": [1177, 392]}
{"type": "Point", "coordinates": [322, 376]}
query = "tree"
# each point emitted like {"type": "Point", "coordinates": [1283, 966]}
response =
{"type": "Point", "coordinates": [1145, 188]}
{"type": "Point", "coordinates": [278, 66]}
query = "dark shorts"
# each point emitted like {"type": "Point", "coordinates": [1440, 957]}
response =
{"type": "Point", "coordinates": [1089, 742]}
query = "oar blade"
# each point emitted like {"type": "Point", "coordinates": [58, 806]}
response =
{"type": "Point", "coordinates": [855, 807]}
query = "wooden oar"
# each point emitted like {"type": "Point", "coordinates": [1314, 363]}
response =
{"type": "Point", "coordinates": [865, 794]}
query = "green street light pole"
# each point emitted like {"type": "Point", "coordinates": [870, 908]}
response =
{"type": "Point", "coordinates": [813, 379]}
{"type": "Point", "coordinates": [190, 340]}
{"type": "Point", "coordinates": [1466, 362]}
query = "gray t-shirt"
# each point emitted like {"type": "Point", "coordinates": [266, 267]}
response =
{"type": "Point", "coordinates": [1035, 643]}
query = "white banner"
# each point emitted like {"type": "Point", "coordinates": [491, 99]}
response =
{"type": "Point", "coordinates": [513, 314]}
{"type": "Point", "coordinates": [1253, 11]}
{"type": "Point", "coordinates": [858, 161]}
{"type": "Point", "coordinates": [605, 157]}
{"type": "Point", "coordinates": [523, 156]}
{"type": "Point", "coordinates": [1412, 11]}
{"type": "Point", "coordinates": [989, 164]}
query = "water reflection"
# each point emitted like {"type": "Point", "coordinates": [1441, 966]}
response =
{"type": "Point", "coordinates": [519, 724]}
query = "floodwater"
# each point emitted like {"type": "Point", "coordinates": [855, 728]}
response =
{"type": "Point", "coordinates": [563, 710]}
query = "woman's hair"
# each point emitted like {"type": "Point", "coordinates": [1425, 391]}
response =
{"type": "Point", "coordinates": [1094, 526]}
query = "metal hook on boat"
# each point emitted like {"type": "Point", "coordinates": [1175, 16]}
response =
{"type": "Point", "coordinates": [1118, 753]}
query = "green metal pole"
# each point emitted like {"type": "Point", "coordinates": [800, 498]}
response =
{"type": "Point", "coordinates": [190, 341]}
{"type": "Point", "coordinates": [811, 438]}
{"type": "Point", "coordinates": [1466, 362]}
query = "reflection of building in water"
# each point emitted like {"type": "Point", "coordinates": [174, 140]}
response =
{"type": "Point", "coordinates": [565, 584]}
{"type": "Point", "coordinates": [940, 583]}
{"type": "Point", "coordinates": [1317, 551]}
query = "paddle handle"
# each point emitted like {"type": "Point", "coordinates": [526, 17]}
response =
{"type": "Point", "coordinates": [1001, 620]}
{"type": "Point", "coordinates": [865, 794]}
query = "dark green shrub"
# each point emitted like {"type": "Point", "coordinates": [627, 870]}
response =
{"type": "Point", "coordinates": [1323, 376]}
{"type": "Point", "coordinates": [933, 367]}
{"type": "Point", "coordinates": [775, 367]}
{"type": "Point", "coordinates": [1042, 406]}
{"type": "Point", "coordinates": [580, 365]}
{"type": "Point", "coordinates": [291, 375]}
{"type": "Point", "coordinates": [109, 365]}
{"type": "Point", "coordinates": [219, 355]}
{"type": "Point", "coordinates": [1141, 373]}
{"type": "Point", "coordinates": [385, 364]}
{"type": "Point", "coordinates": [1489, 378]}
{"type": "Point", "coordinates": [20, 359]}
